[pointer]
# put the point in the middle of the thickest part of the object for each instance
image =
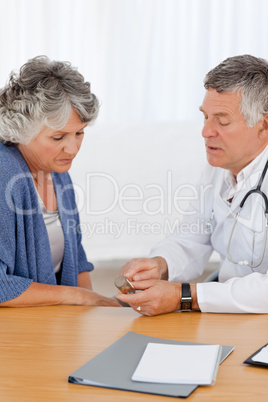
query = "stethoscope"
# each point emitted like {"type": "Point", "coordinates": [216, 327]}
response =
{"type": "Point", "coordinates": [256, 190]}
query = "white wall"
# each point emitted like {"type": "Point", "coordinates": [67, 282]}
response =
{"type": "Point", "coordinates": [131, 183]}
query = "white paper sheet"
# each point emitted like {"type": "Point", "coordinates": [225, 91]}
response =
{"type": "Point", "coordinates": [178, 364]}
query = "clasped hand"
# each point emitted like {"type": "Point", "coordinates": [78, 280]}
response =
{"type": "Point", "coordinates": [158, 296]}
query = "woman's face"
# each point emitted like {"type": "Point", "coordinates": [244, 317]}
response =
{"type": "Point", "coordinates": [54, 151]}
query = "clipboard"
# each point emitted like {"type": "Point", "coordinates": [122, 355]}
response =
{"type": "Point", "coordinates": [113, 368]}
{"type": "Point", "coordinates": [254, 362]}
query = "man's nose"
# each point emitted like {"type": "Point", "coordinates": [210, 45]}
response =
{"type": "Point", "coordinates": [209, 129]}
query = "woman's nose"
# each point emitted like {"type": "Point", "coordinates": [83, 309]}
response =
{"type": "Point", "coordinates": [71, 147]}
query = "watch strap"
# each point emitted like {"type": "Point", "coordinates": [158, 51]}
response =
{"type": "Point", "coordinates": [186, 298]}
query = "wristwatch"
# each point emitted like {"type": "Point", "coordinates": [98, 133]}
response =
{"type": "Point", "coordinates": [186, 298]}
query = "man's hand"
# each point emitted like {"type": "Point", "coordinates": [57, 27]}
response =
{"type": "Point", "coordinates": [140, 269]}
{"type": "Point", "coordinates": [157, 297]}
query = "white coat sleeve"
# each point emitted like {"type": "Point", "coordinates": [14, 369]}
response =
{"type": "Point", "coordinates": [185, 257]}
{"type": "Point", "coordinates": [248, 294]}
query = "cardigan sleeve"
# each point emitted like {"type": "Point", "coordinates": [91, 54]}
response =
{"type": "Point", "coordinates": [11, 283]}
{"type": "Point", "coordinates": [83, 264]}
{"type": "Point", "coordinates": [11, 286]}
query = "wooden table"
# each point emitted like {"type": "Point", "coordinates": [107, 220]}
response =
{"type": "Point", "coordinates": [41, 346]}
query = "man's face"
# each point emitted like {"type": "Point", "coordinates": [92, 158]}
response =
{"type": "Point", "coordinates": [230, 143]}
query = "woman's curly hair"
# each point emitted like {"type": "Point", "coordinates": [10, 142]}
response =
{"type": "Point", "coordinates": [43, 93]}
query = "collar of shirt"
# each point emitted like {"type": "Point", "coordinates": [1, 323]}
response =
{"type": "Point", "coordinates": [234, 185]}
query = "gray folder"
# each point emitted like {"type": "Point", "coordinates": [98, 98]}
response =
{"type": "Point", "coordinates": [113, 368]}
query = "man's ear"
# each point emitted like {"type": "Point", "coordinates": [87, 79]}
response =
{"type": "Point", "coordinates": [264, 126]}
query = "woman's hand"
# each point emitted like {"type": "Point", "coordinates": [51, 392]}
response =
{"type": "Point", "coordinates": [95, 299]}
{"type": "Point", "coordinates": [40, 294]}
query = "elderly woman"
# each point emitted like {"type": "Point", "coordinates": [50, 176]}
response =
{"type": "Point", "coordinates": [44, 111]}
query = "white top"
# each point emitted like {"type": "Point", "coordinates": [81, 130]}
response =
{"type": "Point", "coordinates": [55, 234]}
{"type": "Point", "coordinates": [208, 228]}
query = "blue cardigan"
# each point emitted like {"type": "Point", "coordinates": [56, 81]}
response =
{"type": "Point", "coordinates": [25, 255]}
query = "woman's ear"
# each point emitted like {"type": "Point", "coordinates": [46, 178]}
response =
{"type": "Point", "coordinates": [265, 121]}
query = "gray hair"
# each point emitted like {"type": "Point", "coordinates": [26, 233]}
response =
{"type": "Point", "coordinates": [43, 93]}
{"type": "Point", "coordinates": [249, 76]}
